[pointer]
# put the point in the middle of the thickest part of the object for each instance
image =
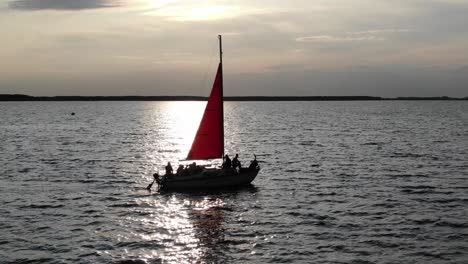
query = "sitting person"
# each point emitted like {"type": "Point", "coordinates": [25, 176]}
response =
{"type": "Point", "coordinates": [253, 164]}
{"type": "Point", "coordinates": [193, 166]}
{"type": "Point", "coordinates": [198, 169]}
{"type": "Point", "coordinates": [180, 169]}
{"type": "Point", "coordinates": [235, 162]}
{"type": "Point", "coordinates": [190, 169]}
{"type": "Point", "coordinates": [227, 163]}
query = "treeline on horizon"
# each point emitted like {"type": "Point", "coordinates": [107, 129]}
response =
{"type": "Point", "coordinates": [22, 97]}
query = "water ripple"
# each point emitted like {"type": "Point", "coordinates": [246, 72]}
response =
{"type": "Point", "coordinates": [341, 182]}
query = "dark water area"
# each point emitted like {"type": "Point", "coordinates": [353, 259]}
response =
{"type": "Point", "coordinates": [341, 182]}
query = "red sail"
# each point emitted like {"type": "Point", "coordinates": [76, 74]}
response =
{"type": "Point", "coordinates": [209, 140]}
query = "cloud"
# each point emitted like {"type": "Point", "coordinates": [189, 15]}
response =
{"type": "Point", "coordinates": [328, 38]}
{"type": "Point", "coordinates": [287, 67]}
{"type": "Point", "coordinates": [62, 4]}
{"type": "Point", "coordinates": [378, 31]}
{"type": "Point", "coordinates": [367, 35]}
{"type": "Point", "coordinates": [184, 11]}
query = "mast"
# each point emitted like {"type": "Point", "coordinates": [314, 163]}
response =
{"type": "Point", "coordinates": [222, 88]}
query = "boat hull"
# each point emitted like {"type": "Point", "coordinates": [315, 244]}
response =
{"type": "Point", "coordinates": [209, 179]}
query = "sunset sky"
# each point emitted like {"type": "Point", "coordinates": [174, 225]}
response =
{"type": "Point", "coordinates": [271, 47]}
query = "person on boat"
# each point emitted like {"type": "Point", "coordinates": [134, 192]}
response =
{"type": "Point", "coordinates": [180, 169]}
{"type": "Point", "coordinates": [253, 164]}
{"type": "Point", "coordinates": [157, 179]}
{"type": "Point", "coordinates": [192, 168]}
{"type": "Point", "coordinates": [227, 162]}
{"type": "Point", "coordinates": [168, 169]}
{"type": "Point", "coordinates": [235, 162]}
{"type": "Point", "coordinates": [198, 168]}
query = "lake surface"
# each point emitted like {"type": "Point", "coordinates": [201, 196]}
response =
{"type": "Point", "coordinates": [341, 182]}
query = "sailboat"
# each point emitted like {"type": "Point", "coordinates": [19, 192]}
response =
{"type": "Point", "coordinates": [208, 144]}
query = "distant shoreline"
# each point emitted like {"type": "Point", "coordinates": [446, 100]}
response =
{"type": "Point", "coordinates": [21, 97]}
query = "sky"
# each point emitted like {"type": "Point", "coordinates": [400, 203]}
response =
{"type": "Point", "coordinates": [271, 47]}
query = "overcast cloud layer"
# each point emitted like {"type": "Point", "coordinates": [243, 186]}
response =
{"type": "Point", "coordinates": [272, 47]}
{"type": "Point", "coordinates": [61, 4]}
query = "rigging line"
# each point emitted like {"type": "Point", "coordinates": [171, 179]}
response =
{"type": "Point", "coordinates": [204, 85]}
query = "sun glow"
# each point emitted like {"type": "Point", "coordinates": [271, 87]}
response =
{"type": "Point", "coordinates": [158, 3]}
{"type": "Point", "coordinates": [182, 11]}
{"type": "Point", "coordinates": [214, 12]}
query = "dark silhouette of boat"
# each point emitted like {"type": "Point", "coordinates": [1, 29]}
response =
{"type": "Point", "coordinates": [208, 178]}
{"type": "Point", "coordinates": [209, 144]}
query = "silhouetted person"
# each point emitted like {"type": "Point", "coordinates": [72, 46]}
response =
{"type": "Point", "coordinates": [235, 162]}
{"type": "Point", "coordinates": [227, 162]}
{"type": "Point", "coordinates": [180, 169]}
{"type": "Point", "coordinates": [168, 169]}
{"type": "Point", "coordinates": [253, 164]}
{"type": "Point", "coordinates": [192, 168]}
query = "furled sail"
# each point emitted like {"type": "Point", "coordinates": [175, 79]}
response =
{"type": "Point", "coordinates": [209, 140]}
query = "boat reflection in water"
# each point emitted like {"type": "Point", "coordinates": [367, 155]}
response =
{"type": "Point", "coordinates": [198, 227]}
{"type": "Point", "coordinates": [207, 220]}
{"type": "Point", "coordinates": [172, 228]}
{"type": "Point", "coordinates": [192, 230]}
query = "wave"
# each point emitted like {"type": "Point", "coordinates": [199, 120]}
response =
{"type": "Point", "coordinates": [42, 206]}
{"type": "Point", "coordinates": [135, 261]}
{"type": "Point", "coordinates": [453, 224]}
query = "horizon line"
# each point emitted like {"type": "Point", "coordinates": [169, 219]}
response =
{"type": "Point", "coordinates": [22, 97]}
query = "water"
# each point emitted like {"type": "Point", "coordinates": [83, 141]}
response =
{"type": "Point", "coordinates": [341, 182]}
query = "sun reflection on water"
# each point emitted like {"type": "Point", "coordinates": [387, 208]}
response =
{"type": "Point", "coordinates": [171, 138]}
{"type": "Point", "coordinates": [171, 228]}
{"type": "Point", "coordinates": [185, 118]}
